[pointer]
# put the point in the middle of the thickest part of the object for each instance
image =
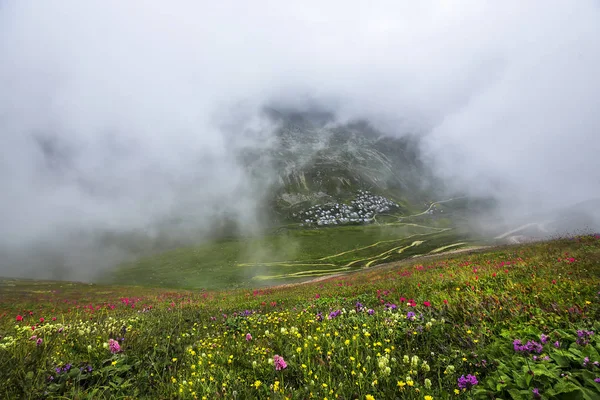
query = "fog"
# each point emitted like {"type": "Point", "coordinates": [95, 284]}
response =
{"type": "Point", "coordinates": [119, 116]}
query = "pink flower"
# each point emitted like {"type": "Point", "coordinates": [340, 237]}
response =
{"type": "Point", "coordinates": [279, 362]}
{"type": "Point", "coordinates": [39, 341]}
{"type": "Point", "coordinates": [248, 337]}
{"type": "Point", "coordinates": [113, 345]}
{"type": "Point", "coordinates": [19, 318]}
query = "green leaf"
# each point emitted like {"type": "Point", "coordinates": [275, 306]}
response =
{"type": "Point", "coordinates": [589, 394]}
{"type": "Point", "coordinates": [541, 370]}
{"type": "Point", "coordinates": [560, 360]}
{"type": "Point", "coordinates": [591, 352]}
{"type": "Point", "coordinates": [516, 394]}
{"type": "Point", "coordinates": [565, 386]}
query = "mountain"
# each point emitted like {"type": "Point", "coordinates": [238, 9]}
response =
{"type": "Point", "coordinates": [319, 162]}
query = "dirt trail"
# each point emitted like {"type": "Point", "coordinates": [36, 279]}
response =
{"type": "Point", "coordinates": [476, 249]}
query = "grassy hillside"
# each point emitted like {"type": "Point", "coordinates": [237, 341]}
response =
{"type": "Point", "coordinates": [289, 256]}
{"type": "Point", "coordinates": [514, 322]}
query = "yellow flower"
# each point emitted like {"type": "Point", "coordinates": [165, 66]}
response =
{"type": "Point", "coordinates": [174, 359]}
{"type": "Point", "coordinates": [428, 397]}
{"type": "Point", "coordinates": [114, 363]}
{"type": "Point", "coordinates": [401, 384]}
{"type": "Point", "coordinates": [456, 391]}
{"type": "Point", "coordinates": [369, 397]}
{"type": "Point", "coordinates": [257, 384]}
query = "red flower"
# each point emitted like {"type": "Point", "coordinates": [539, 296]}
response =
{"type": "Point", "coordinates": [494, 274]}
{"type": "Point", "coordinates": [427, 304]}
{"type": "Point", "coordinates": [42, 320]}
{"type": "Point", "coordinates": [445, 301]}
{"type": "Point", "coordinates": [554, 281]}
{"type": "Point", "coordinates": [19, 318]}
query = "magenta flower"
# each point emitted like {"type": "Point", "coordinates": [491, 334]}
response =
{"type": "Point", "coordinates": [113, 345]}
{"type": "Point", "coordinates": [279, 362]}
{"type": "Point", "coordinates": [39, 341]}
{"type": "Point", "coordinates": [248, 337]}
{"type": "Point", "coordinates": [467, 382]}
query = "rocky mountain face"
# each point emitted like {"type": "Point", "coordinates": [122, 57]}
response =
{"type": "Point", "coordinates": [318, 162]}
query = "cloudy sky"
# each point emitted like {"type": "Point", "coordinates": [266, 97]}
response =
{"type": "Point", "coordinates": [112, 112]}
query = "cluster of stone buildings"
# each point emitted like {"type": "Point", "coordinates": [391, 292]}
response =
{"type": "Point", "coordinates": [361, 210]}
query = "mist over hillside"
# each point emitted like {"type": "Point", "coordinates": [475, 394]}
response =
{"type": "Point", "coordinates": [140, 126]}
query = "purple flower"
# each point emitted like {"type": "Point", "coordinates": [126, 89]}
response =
{"type": "Point", "coordinates": [531, 347]}
{"type": "Point", "coordinates": [410, 315]}
{"type": "Point", "coordinates": [370, 311]}
{"type": "Point", "coordinates": [543, 338]}
{"type": "Point", "coordinates": [517, 345]}
{"type": "Point", "coordinates": [557, 344]}
{"type": "Point", "coordinates": [467, 382]}
{"type": "Point", "coordinates": [536, 393]}
{"type": "Point", "coordinates": [597, 380]}
{"type": "Point", "coordinates": [39, 341]}
{"type": "Point", "coordinates": [359, 307]}
{"type": "Point", "coordinates": [584, 337]}
{"type": "Point", "coordinates": [319, 317]}
{"type": "Point", "coordinates": [279, 362]}
{"type": "Point", "coordinates": [248, 337]}
{"type": "Point", "coordinates": [586, 361]}
{"type": "Point", "coordinates": [334, 314]}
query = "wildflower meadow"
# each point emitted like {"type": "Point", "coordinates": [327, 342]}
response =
{"type": "Point", "coordinates": [518, 322]}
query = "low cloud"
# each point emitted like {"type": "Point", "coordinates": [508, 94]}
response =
{"type": "Point", "coordinates": [118, 116]}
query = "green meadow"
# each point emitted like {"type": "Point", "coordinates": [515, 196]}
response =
{"type": "Point", "coordinates": [517, 322]}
